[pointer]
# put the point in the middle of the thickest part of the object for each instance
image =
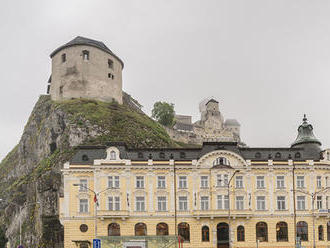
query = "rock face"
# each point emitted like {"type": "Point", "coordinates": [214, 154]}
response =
{"type": "Point", "coordinates": [31, 171]}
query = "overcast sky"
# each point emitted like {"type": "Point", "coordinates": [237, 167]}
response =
{"type": "Point", "coordinates": [267, 62]}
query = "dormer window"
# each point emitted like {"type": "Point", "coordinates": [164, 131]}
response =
{"type": "Point", "coordinates": [85, 55]}
{"type": "Point", "coordinates": [85, 157]}
{"type": "Point", "coordinates": [258, 155]}
{"type": "Point", "coordinates": [278, 155]}
{"type": "Point", "coordinates": [110, 63]}
{"type": "Point", "coordinates": [140, 155]}
{"type": "Point", "coordinates": [182, 155]}
{"type": "Point", "coordinates": [63, 57]}
{"type": "Point", "coordinates": [221, 161]}
{"type": "Point", "coordinates": [113, 155]}
{"type": "Point", "coordinates": [161, 155]}
{"type": "Point", "coordinates": [297, 155]}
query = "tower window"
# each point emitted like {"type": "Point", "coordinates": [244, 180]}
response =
{"type": "Point", "coordinates": [110, 63]}
{"type": "Point", "coordinates": [85, 55]}
{"type": "Point", "coordinates": [111, 76]}
{"type": "Point", "coordinates": [63, 57]}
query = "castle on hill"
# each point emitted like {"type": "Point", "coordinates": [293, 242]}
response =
{"type": "Point", "coordinates": [86, 68]}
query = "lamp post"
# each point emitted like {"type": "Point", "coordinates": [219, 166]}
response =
{"type": "Point", "coordinates": [228, 195]}
{"type": "Point", "coordinates": [20, 211]}
{"type": "Point", "coordinates": [95, 203]}
{"type": "Point", "coordinates": [313, 195]}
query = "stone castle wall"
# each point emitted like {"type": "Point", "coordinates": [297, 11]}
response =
{"type": "Point", "coordinates": [80, 78]}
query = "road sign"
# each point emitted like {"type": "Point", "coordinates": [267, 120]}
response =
{"type": "Point", "coordinates": [96, 243]}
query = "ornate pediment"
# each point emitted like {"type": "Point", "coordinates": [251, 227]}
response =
{"type": "Point", "coordinates": [221, 159]}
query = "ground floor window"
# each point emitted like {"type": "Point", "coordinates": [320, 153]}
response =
{"type": "Point", "coordinates": [184, 231]}
{"type": "Point", "coordinates": [114, 229]}
{"type": "Point", "coordinates": [302, 230]}
{"type": "Point", "coordinates": [240, 233]}
{"type": "Point", "coordinates": [321, 233]}
{"type": "Point", "coordinates": [140, 229]}
{"type": "Point", "coordinates": [162, 229]}
{"type": "Point", "coordinates": [282, 231]}
{"type": "Point", "coordinates": [262, 232]}
{"type": "Point", "coordinates": [205, 234]}
{"type": "Point", "coordinates": [328, 231]}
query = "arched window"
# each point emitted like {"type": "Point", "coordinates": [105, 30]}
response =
{"type": "Point", "coordinates": [321, 233]}
{"type": "Point", "coordinates": [328, 230]}
{"type": "Point", "coordinates": [85, 157]}
{"type": "Point", "coordinates": [278, 155]}
{"type": "Point", "coordinates": [83, 245]}
{"type": "Point", "coordinates": [262, 232]}
{"type": "Point", "coordinates": [205, 234]}
{"type": "Point", "coordinates": [257, 155]}
{"type": "Point", "coordinates": [140, 229]}
{"type": "Point", "coordinates": [240, 233]}
{"type": "Point", "coordinates": [184, 231]}
{"type": "Point", "coordinates": [85, 55]}
{"type": "Point", "coordinates": [297, 155]}
{"type": "Point", "coordinates": [221, 161]}
{"type": "Point", "coordinates": [113, 155]}
{"type": "Point", "coordinates": [302, 230]}
{"type": "Point", "coordinates": [162, 229]}
{"type": "Point", "coordinates": [281, 231]}
{"type": "Point", "coordinates": [114, 229]}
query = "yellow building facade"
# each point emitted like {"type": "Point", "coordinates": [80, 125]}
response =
{"type": "Point", "coordinates": [219, 195]}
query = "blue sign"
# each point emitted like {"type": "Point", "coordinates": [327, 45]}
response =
{"type": "Point", "coordinates": [96, 243]}
{"type": "Point", "coordinates": [20, 246]}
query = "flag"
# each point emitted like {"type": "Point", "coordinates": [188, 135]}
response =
{"type": "Point", "coordinates": [96, 200]}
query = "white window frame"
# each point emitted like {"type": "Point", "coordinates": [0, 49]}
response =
{"type": "Point", "coordinates": [260, 182]}
{"type": "Point", "coordinates": [161, 182]}
{"type": "Point", "coordinates": [239, 182]}
{"type": "Point", "coordinates": [319, 204]}
{"type": "Point", "coordinates": [239, 202]}
{"type": "Point", "coordinates": [162, 203]}
{"type": "Point", "coordinates": [205, 203]}
{"type": "Point", "coordinates": [300, 181]}
{"type": "Point", "coordinates": [183, 203]}
{"type": "Point", "coordinates": [140, 204]}
{"type": "Point", "coordinates": [183, 182]}
{"type": "Point", "coordinates": [319, 182]}
{"type": "Point", "coordinates": [113, 203]}
{"type": "Point", "coordinates": [114, 182]}
{"type": "Point", "coordinates": [85, 207]}
{"type": "Point", "coordinates": [280, 202]}
{"type": "Point", "coordinates": [261, 202]}
{"type": "Point", "coordinates": [301, 202]}
{"type": "Point", "coordinates": [280, 181]}
{"type": "Point", "coordinates": [83, 185]}
{"type": "Point", "coordinates": [139, 182]}
{"type": "Point", "coordinates": [204, 182]}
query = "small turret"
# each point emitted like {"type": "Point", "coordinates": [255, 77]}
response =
{"type": "Point", "coordinates": [306, 138]}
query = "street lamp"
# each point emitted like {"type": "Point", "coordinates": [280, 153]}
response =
{"type": "Point", "coordinates": [228, 195]}
{"type": "Point", "coordinates": [20, 211]}
{"type": "Point", "coordinates": [313, 195]}
{"type": "Point", "coordinates": [95, 203]}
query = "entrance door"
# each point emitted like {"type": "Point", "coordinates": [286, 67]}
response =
{"type": "Point", "coordinates": [223, 235]}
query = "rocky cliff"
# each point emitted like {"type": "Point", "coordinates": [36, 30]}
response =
{"type": "Point", "coordinates": [31, 171]}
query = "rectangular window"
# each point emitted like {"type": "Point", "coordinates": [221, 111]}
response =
{"type": "Point", "coordinates": [85, 55]}
{"type": "Point", "coordinates": [301, 205]}
{"type": "Point", "coordinates": [204, 181]}
{"type": "Point", "coordinates": [161, 183]}
{"type": "Point", "coordinates": [140, 182]}
{"type": "Point", "coordinates": [300, 181]}
{"type": "Point", "coordinates": [83, 186]}
{"type": "Point", "coordinates": [319, 202]}
{"type": "Point", "coordinates": [280, 182]}
{"type": "Point", "coordinates": [219, 180]}
{"type": "Point", "coordinates": [204, 203]}
{"type": "Point", "coordinates": [182, 182]}
{"type": "Point", "coordinates": [239, 182]}
{"type": "Point", "coordinates": [319, 181]}
{"type": "Point", "coordinates": [162, 203]}
{"type": "Point", "coordinates": [261, 203]}
{"type": "Point", "coordinates": [239, 202]}
{"type": "Point", "coordinates": [110, 64]}
{"type": "Point", "coordinates": [327, 202]}
{"type": "Point", "coordinates": [225, 180]}
{"type": "Point", "coordinates": [63, 57]}
{"type": "Point", "coordinates": [260, 182]}
{"type": "Point", "coordinates": [219, 202]}
{"type": "Point", "coordinates": [183, 203]}
{"type": "Point", "coordinates": [113, 182]}
{"type": "Point", "coordinates": [140, 204]}
{"type": "Point", "coordinates": [83, 205]}
{"type": "Point", "coordinates": [113, 203]}
{"type": "Point", "coordinates": [281, 203]}
{"type": "Point", "coordinates": [226, 201]}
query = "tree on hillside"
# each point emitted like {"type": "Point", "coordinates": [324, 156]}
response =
{"type": "Point", "coordinates": [3, 239]}
{"type": "Point", "coordinates": [164, 113]}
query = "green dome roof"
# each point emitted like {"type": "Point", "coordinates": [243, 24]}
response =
{"type": "Point", "coordinates": [305, 134]}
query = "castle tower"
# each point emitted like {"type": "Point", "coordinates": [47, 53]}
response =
{"type": "Point", "coordinates": [85, 68]}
